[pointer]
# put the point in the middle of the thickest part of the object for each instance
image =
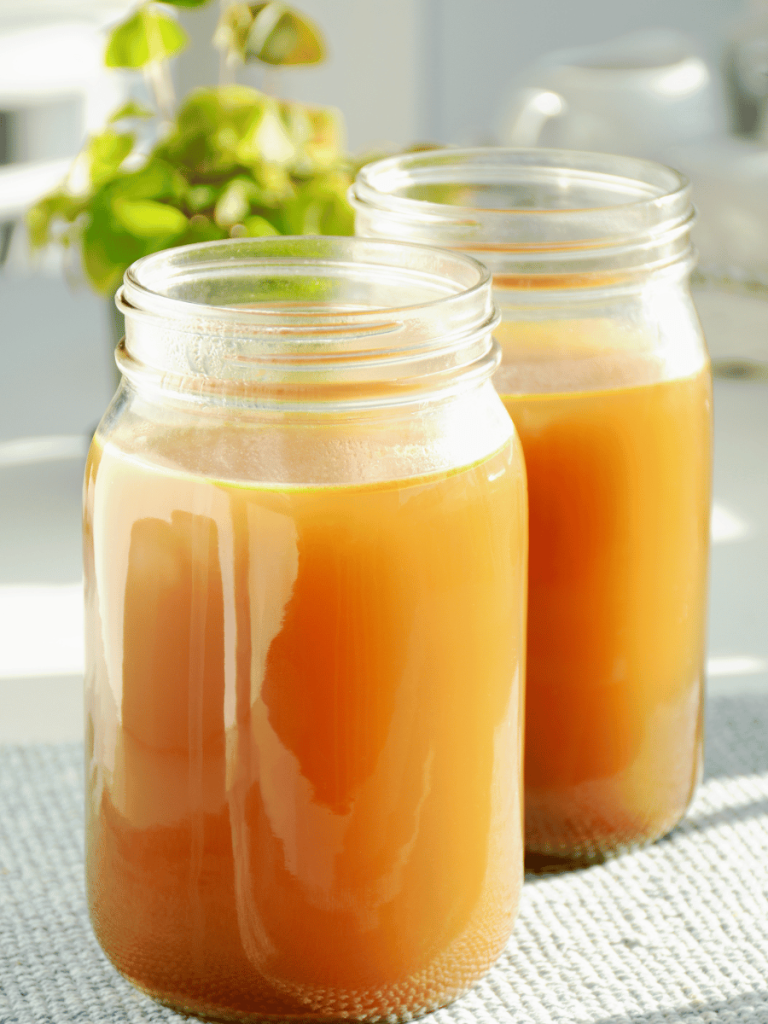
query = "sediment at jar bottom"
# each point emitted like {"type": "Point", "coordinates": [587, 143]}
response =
{"type": "Point", "coordinates": [215, 977]}
{"type": "Point", "coordinates": [594, 830]}
{"type": "Point", "coordinates": [619, 491]}
{"type": "Point", "coordinates": [304, 721]}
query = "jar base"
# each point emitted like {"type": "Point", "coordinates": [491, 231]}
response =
{"type": "Point", "coordinates": [218, 1015]}
{"type": "Point", "coordinates": [544, 861]}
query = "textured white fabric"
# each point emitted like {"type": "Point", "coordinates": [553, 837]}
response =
{"type": "Point", "coordinates": [674, 933]}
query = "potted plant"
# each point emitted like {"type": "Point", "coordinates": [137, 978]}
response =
{"type": "Point", "coordinates": [226, 161]}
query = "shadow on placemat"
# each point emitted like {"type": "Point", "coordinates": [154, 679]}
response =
{"type": "Point", "coordinates": [736, 740]}
{"type": "Point", "coordinates": [751, 1008]}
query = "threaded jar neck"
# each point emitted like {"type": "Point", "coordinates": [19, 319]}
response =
{"type": "Point", "coordinates": [532, 214]}
{"type": "Point", "coordinates": [308, 320]}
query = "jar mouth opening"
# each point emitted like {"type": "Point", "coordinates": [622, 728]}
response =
{"type": "Point", "coordinates": [308, 312]}
{"type": "Point", "coordinates": [528, 197]}
{"type": "Point", "coordinates": [295, 285]}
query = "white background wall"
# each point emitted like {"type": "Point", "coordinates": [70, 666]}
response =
{"type": "Point", "coordinates": [407, 70]}
{"type": "Point", "coordinates": [438, 70]}
{"type": "Point", "coordinates": [478, 48]}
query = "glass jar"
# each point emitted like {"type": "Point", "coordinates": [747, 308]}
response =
{"type": "Point", "coordinates": [606, 376]}
{"type": "Point", "coordinates": [305, 540]}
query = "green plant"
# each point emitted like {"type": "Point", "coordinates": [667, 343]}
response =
{"type": "Point", "coordinates": [228, 161]}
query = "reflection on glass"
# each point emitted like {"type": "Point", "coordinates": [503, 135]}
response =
{"type": "Point", "coordinates": [304, 720]}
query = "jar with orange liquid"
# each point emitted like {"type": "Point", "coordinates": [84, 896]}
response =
{"type": "Point", "coordinates": [305, 542]}
{"type": "Point", "coordinates": [606, 376]}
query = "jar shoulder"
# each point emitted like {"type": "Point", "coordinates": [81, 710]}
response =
{"type": "Point", "coordinates": [645, 337]}
{"type": "Point", "coordinates": [263, 447]}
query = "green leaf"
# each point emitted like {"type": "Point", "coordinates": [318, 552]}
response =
{"type": "Point", "coordinates": [156, 180]}
{"type": "Point", "coordinates": [267, 139]}
{"type": "Point", "coordinates": [204, 109]}
{"type": "Point", "coordinates": [131, 110]}
{"type": "Point", "coordinates": [146, 36]}
{"type": "Point", "coordinates": [211, 127]}
{"type": "Point", "coordinates": [190, 153]}
{"type": "Point", "coordinates": [201, 197]}
{"type": "Point", "coordinates": [59, 206]}
{"type": "Point", "coordinates": [234, 204]}
{"type": "Point", "coordinates": [198, 113]}
{"type": "Point", "coordinates": [258, 227]}
{"type": "Point", "coordinates": [320, 208]}
{"type": "Point", "coordinates": [106, 152]}
{"type": "Point", "coordinates": [186, 3]}
{"type": "Point", "coordinates": [282, 36]}
{"type": "Point", "coordinates": [201, 229]}
{"type": "Point", "coordinates": [146, 218]}
{"type": "Point", "coordinates": [107, 250]}
{"type": "Point", "coordinates": [318, 135]}
{"type": "Point", "coordinates": [104, 273]}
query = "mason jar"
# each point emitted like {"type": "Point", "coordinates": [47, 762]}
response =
{"type": "Point", "coordinates": [305, 551]}
{"type": "Point", "coordinates": [606, 376]}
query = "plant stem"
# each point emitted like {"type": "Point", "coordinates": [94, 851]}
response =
{"type": "Point", "coordinates": [226, 66]}
{"type": "Point", "coordinates": [157, 75]}
{"type": "Point", "coordinates": [226, 69]}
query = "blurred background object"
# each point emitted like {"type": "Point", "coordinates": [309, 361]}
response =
{"type": "Point", "coordinates": [656, 94]}
{"type": "Point", "coordinates": [637, 95]}
{"type": "Point", "coordinates": [745, 68]}
{"type": "Point", "coordinates": [54, 90]}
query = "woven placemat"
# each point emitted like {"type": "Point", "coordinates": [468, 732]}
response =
{"type": "Point", "coordinates": [674, 933]}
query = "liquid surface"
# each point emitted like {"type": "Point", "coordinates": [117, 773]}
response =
{"type": "Point", "coordinates": [304, 725]}
{"type": "Point", "coordinates": [619, 491]}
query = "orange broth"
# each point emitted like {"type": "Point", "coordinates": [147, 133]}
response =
{"type": "Point", "coordinates": [304, 724]}
{"type": "Point", "coordinates": [619, 491]}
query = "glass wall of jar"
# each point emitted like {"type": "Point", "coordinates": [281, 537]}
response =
{"type": "Point", "coordinates": [606, 376]}
{"type": "Point", "coordinates": [305, 539]}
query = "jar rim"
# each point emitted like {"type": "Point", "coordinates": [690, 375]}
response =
{"type": "Point", "coordinates": [180, 266]}
{"type": "Point", "coordinates": [308, 312]}
{"type": "Point", "coordinates": [637, 195]}
{"type": "Point", "coordinates": [533, 214]}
